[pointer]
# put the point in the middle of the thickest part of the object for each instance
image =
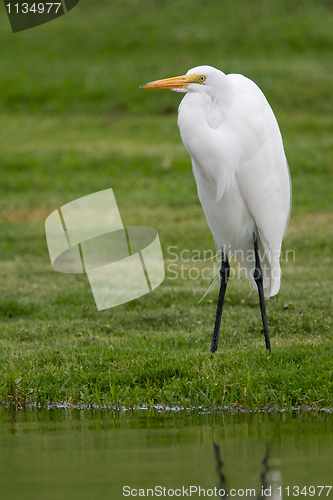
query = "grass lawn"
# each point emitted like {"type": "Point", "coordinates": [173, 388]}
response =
{"type": "Point", "coordinates": [73, 121]}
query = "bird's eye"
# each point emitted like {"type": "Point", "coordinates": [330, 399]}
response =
{"type": "Point", "coordinates": [202, 78]}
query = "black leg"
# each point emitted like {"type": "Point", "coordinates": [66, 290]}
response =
{"type": "Point", "coordinates": [258, 278]}
{"type": "Point", "coordinates": [224, 272]}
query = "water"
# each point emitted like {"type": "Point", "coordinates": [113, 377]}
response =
{"type": "Point", "coordinates": [99, 454]}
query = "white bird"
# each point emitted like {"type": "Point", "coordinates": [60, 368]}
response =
{"type": "Point", "coordinates": [241, 172]}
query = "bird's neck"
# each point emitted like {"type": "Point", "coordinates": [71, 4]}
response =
{"type": "Point", "coordinates": [214, 111]}
{"type": "Point", "coordinates": [205, 108]}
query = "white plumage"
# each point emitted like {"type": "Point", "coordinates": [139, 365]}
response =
{"type": "Point", "coordinates": [240, 168]}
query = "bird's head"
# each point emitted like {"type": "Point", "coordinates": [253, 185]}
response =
{"type": "Point", "coordinates": [197, 79]}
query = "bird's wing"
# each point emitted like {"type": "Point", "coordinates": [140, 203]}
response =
{"type": "Point", "coordinates": [263, 178]}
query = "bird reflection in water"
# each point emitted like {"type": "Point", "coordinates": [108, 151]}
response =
{"type": "Point", "coordinates": [265, 489]}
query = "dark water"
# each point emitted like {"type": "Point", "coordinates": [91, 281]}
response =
{"type": "Point", "coordinates": [93, 454]}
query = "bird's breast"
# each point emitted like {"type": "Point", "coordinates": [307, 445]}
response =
{"type": "Point", "coordinates": [215, 151]}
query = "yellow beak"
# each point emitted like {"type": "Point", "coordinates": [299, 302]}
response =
{"type": "Point", "coordinates": [177, 82]}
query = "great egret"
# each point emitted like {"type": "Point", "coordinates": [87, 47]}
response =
{"type": "Point", "coordinates": [241, 171]}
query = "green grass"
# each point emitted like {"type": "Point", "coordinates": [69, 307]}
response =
{"type": "Point", "coordinates": [73, 121]}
